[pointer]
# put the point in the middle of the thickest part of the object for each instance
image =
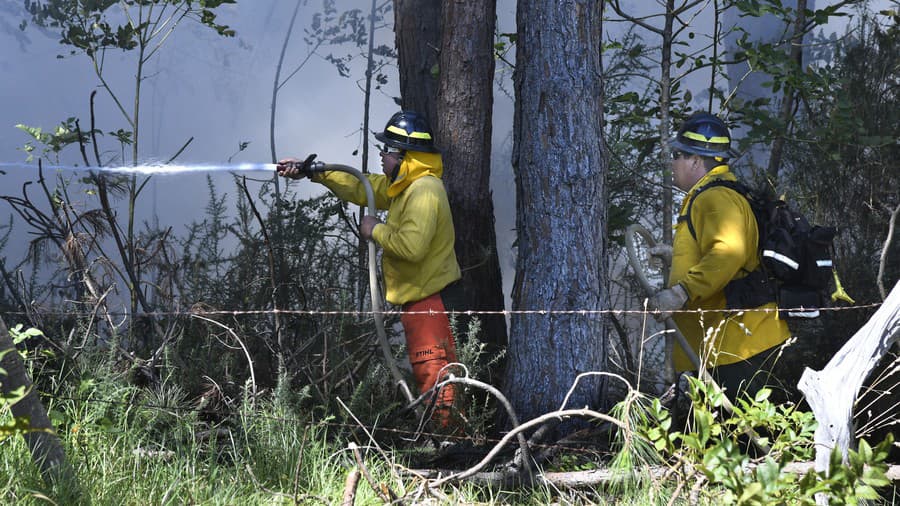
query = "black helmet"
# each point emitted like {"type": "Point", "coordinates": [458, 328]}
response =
{"type": "Point", "coordinates": [706, 135]}
{"type": "Point", "coordinates": [408, 130]}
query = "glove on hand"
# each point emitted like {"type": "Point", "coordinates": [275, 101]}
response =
{"type": "Point", "coordinates": [295, 169]}
{"type": "Point", "coordinates": [661, 253]}
{"type": "Point", "coordinates": [367, 226]}
{"type": "Point", "coordinates": [666, 301]}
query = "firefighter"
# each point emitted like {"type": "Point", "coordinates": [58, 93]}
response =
{"type": "Point", "coordinates": [711, 267]}
{"type": "Point", "coordinates": [419, 262]}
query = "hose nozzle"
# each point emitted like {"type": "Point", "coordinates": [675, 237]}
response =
{"type": "Point", "coordinates": [307, 167]}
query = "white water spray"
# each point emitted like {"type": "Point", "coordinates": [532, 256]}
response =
{"type": "Point", "coordinates": [149, 169]}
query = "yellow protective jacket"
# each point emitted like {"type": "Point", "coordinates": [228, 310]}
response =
{"type": "Point", "coordinates": [725, 249]}
{"type": "Point", "coordinates": [417, 236]}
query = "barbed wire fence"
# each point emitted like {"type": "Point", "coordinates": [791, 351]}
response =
{"type": "Point", "coordinates": [207, 313]}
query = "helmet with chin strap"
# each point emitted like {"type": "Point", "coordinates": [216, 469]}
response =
{"type": "Point", "coordinates": [409, 131]}
{"type": "Point", "coordinates": [705, 135]}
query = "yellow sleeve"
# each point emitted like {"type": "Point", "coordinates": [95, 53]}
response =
{"type": "Point", "coordinates": [411, 226]}
{"type": "Point", "coordinates": [348, 188]}
{"type": "Point", "coordinates": [721, 219]}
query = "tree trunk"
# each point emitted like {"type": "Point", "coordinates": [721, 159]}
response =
{"type": "Point", "coordinates": [43, 443]}
{"type": "Point", "coordinates": [786, 112]}
{"type": "Point", "coordinates": [417, 28]}
{"type": "Point", "coordinates": [561, 207]}
{"type": "Point", "coordinates": [446, 63]}
{"type": "Point", "coordinates": [463, 132]}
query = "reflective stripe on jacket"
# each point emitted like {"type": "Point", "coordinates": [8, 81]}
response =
{"type": "Point", "coordinates": [417, 236]}
{"type": "Point", "coordinates": [725, 248]}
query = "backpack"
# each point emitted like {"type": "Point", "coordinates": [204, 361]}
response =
{"type": "Point", "coordinates": [796, 264]}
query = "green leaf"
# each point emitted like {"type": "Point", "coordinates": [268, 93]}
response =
{"type": "Point", "coordinates": [763, 394]}
{"type": "Point", "coordinates": [752, 491]}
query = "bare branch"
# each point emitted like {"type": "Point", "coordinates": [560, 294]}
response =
{"type": "Point", "coordinates": [384, 492]}
{"type": "Point", "coordinates": [892, 225]}
{"type": "Point", "coordinates": [241, 343]}
{"type": "Point", "coordinates": [535, 422]}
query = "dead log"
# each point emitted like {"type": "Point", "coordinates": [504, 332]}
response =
{"type": "Point", "coordinates": [832, 392]}
{"type": "Point", "coordinates": [43, 443]}
{"type": "Point", "coordinates": [597, 477]}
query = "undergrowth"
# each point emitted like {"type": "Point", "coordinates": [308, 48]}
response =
{"type": "Point", "coordinates": [158, 444]}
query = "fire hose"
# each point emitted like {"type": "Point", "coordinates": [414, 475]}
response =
{"type": "Point", "coordinates": [374, 288]}
{"type": "Point", "coordinates": [630, 233]}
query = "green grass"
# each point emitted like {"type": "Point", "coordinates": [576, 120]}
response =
{"type": "Point", "coordinates": [151, 445]}
{"type": "Point", "coordinates": [132, 454]}
{"type": "Point", "coordinates": [131, 447]}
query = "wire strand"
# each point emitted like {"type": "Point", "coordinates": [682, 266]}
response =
{"type": "Point", "coordinates": [472, 312]}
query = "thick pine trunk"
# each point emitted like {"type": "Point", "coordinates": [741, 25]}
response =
{"type": "Point", "coordinates": [463, 130]}
{"type": "Point", "coordinates": [446, 62]}
{"type": "Point", "coordinates": [417, 29]}
{"type": "Point", "coordinates": [561, 207]}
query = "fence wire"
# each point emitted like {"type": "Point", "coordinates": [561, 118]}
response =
{"type": "Point", "coordinates": [397, 312]}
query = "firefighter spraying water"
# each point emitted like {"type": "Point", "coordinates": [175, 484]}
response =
{"type": "Point", "coordinates": [419, 262]}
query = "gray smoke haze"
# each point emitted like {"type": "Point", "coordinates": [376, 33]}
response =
{"type": "Point", "coordinates": [218, 91]}
{"type": "Point", "coordinates": [213, 89]}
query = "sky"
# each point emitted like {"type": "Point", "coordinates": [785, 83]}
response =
{"type": "Point", "coordinates": [218, 91]}
{"type": "Point", "coordinates": [215, 90]}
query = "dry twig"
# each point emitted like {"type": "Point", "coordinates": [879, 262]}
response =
{"type": "Point", "coordinates": [384, 492]}
{"type": "Point", "coordinates": [350, 485]}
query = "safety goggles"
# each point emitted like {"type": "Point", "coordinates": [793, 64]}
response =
{"type": "Point", "coordinates": [388, 150]}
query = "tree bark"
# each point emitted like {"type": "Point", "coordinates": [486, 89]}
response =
{"type": "Point", "coordinates": [43, 443]}
{"type": "Point", "coordinates": [417, 29]}
{"type": "Point", "coordinates": [445, 52]}
{"type": "Point", "coordinates": [561, 214]}
{"type": "Point", "coordinates": [463, 131]}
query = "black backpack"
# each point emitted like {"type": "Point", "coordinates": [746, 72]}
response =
{"type": "Point", "coordinates": [795, 257]}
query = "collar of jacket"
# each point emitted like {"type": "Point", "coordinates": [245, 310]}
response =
{"type": "Point", "coordinates": [716, 173]}
{"type": "Point", "coordinates": [415, 164]}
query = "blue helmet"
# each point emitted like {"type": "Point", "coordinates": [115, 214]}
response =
{"type": "Point", "coordinates": [408, 130]}
{"type": "Point", "coordinates": [706, 135]}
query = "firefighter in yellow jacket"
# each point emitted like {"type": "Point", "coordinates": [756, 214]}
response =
{"type": "Point", "coordinates": [715, 267]}
{"type": "Point", "coordinates": [419, 262]}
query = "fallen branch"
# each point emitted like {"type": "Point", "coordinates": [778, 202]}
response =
{"type": "Point", "coordinates": [524, 457]}
{"type": "Point", "coordinates": [595, 477]}
{"type": "Point", "coordinates": [535, 422]}
{"type": "Point", "coordinates": [384, 492]}
{"type": "Point", "coordinates": [832, 392]}
{"type": "Point", "coordinates": [350, 486]}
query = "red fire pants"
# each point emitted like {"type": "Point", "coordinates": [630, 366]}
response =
{"type": "Point", "coordinates": [430, 344]}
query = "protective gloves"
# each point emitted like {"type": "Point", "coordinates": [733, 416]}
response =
{"type": "Point", "coordinates": [367, 225]}
{"type": "Point", "coordinates": [660, 255]}
{"type": "Point", "coordinates": [666, 301]}
{"type": "Point", "coordinates": [295, 169]}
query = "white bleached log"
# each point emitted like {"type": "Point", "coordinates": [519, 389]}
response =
{"type": "Point", "coordinates": [832, 391]}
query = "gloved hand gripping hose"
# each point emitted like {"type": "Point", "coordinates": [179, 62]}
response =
{"type": "Point", "coordinates": [374, 289]}
{"type": "Point", "coordinates": [670, 323]}
{"type": "Point", "coordinates": [679, 337]}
